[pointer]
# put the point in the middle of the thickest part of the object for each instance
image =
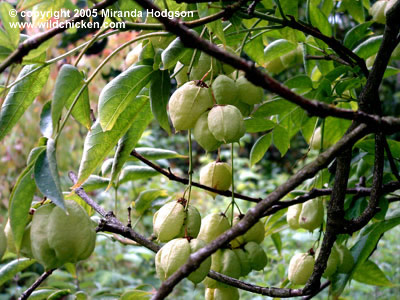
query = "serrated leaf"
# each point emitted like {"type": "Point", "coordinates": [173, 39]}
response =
{"type": "Point", "coordinates": [98, 143]}
{"type": "Point", "coordinates": [369, 47]}
{"type": "Point", "coordinates": [173, 53]}
{"type": "Point", "coordinates": [369, 273]}
{"type": "Point", "coordinates": [20, 203]}
{"type": "Point", "coordinates": [20, 97]}
{"type": "Point", "coordinates": [131, 173]}
{"type": "Point", "coordinates": [259, 148]}
{"type": "Point", "coordinates": [280, 138]}
{"type": "Point", "coordinates": [145, 198]}
{"type": "Point", "coordinates": [155, 153]}
{"type": "Point", "coordinates": [8, 271]}
{"type": "Point", "coordinates": [277, 49]}
{"type": "Point", "coordinates": [129, 141]}
{"type": "Point", "coordinates": [120, 92]}
{"type": "Point", "coordinates": [7, 19]}
{"type": "Point", "coordinates": [258, 124]}
{"type": "Point", "coordinates": [46, 175]}
{"type": "Point", "coordinates": [46, 125]}
{"type": "Point", "coordinates": [160, 88]}
{"type": "Point", "coordinates": [68, 84]}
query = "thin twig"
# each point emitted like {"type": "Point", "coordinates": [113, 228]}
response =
{"type": "Point", "coordinates": [35, 285]}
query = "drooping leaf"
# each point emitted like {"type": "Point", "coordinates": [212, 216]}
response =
{"type": "Point", "coordinates": [120, 93]}
{"type": "Point", "coordinates": [280, 138]}
{"type": "Point", "coordinates": [370, 273]}
{"type": "Point", "coordinates": [41, 294]}
{"type": "Point", "coordinates": [258, 124]}
{"type": "Point", "coordinates": [7, 19]}
{"type": "Point", "coordinates": [20, 97]}
{"type": "Point", "coordinates": [355, 9]}
{"type": "Point", "coordinates": [259, 148]}
{"type": "Point", "coordinates": [278, 48]}
{"type": "Point", "coordinates": [369, 47]}
{"type": "Point", "coordinates": [319, 20]}
{"type": "Point", "coordinates": [46, 125]}
{"type": "Point", "coordinates": [95, 182]}
{"type": "Point", "coordinates": [46, 175]}
{"type": "Point", "coordinates": [356, 34]}
{"type": "Point", "coordinates": [131, 173]}
{"type": "Point", "coordinates": [276, 238]}
{"type": "Point", "coordinates": [8, 271]}
{"type": "Point", "coordinates": [160, 88]}
{"type": "Point", "coordinates": [129, 140]}
{"type": "Point", "coordinates": [136, 295]}
{"type": "Point", "coordinates": [145, 198]}
{"type": "Point", "coordinates": [68, 84]}
{"type": "Point", "coordinates": [98, 143]}
{"type": "Point", "coordinates": [173, 53]}
{"type": "Point", "coordinates": [155, 153]}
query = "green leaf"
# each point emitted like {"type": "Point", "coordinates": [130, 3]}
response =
{"type": "Point", "coordinates": [155, 153]}
{"type": "Point", "coordinates": [259, 148]}
{"type": "Point", "coordinates": [280, 138]}
{"type": "Point", "coordinates": [95, 182]}
{"type": "Point", "coordinates": [8, 271]}
{"type": "Point", "coordinates": [46, 125]}
{"type": "Point", "coordinates": [160, 88]}
{"type": "Point", "coordinates": [136, 295]}
{"type": "Point", "coordinates": [145, 198]}
{"type": "Point", "coordinates": [391, 71]}
{"type": "Point", "coordinates": [319, 20]}
{"type": "Point", "coordinates": [39, 14]}
{"type": "Point", "coordinates": [21, 97]}
{"type": "Point", "coordinates": [46, 175]}
{"type": "Point", "coordinates": [173, 53]}
{"type": "Point", "coordinates": [258, 124]}
{"type": "Point", "coordinates": [277, 49]}
{"type": "Point", "coordinates": [369, 47]}
{"type": "Point", "coordinates": [57, 295]}
{"type": "Point", "coordinates": [355, 9]}
{"type": "Point", "coordinates": [276, 238]}
{"type": "Point", "coordinates": [69, 82]}
{"type": "Point", "coordinates": [369, 273]}
{"type": "Point", "coordinates": [255, 50]}
{"type": "Point", "coordinates": [98, 143]}
{"type": "Point", "coordinates": [120, 92]}
{"type": "Point", "coordinates": [273, 107]}
{"type": "Point", "coordinates": [36, 54]}
{"type": "Point", "coordinates": [131, 173]}
{"type": "Point", "coordinates": [20, 203]}
{"type": "Point", "coordinates": [7, 19]}
{"type": "Point", "coordinates": [129, 141]}
{"type": "Point", "coordinates": [300, 83]}
{"type": "Point", "coordinates": [41, 294]}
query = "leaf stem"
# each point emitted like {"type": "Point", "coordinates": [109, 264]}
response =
{"type": "Point", "coordinates": [190, 168]}
{"type": "Point", "coordinates": [88, 45]}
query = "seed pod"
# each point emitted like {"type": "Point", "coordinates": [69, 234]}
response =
{"type": "Point", "coordinates": [301, 267]}
{"type": "Point", "coordinates": [3, 242]}
{"type": "Point", "coordinates": [217, 175]}
{"type": "Point", "coordinates": [226, 123]}
{"type": "Point", "coordinates": [377, 11]}
{"type": "Point", "coordinates": [203, 135]}
{"type": "Point", "coordinates": [201, 273]}
{"type": "Point", "coordinates": [346, 260]}
{"type": "Point", "coordinates": [175, 253]}
{"type": "Point", "coordinates": [293, 214]}
{"type": "Point", "coordinates": [312, 214]}
{"type": "Point", "coordinates": [332, 264]}
{"type": "Point", "coordinates": [203, 66]}
{"type": "Point", "coordinates": [255, 234]}
{"type": "Point", "coordinates": [222, 293]}
{"type": "Point", "coordinates": [244, 261]}
{"type": "Point", "coordinates": [315, 142]}
{"type": "Point", "coordinates": [248, 92]}
{"type": "Point", "coordinates": [58, 238]}
{"type": "Point", "coordinates": [212, 226]}
{"type": "Point", "coordinates": [187, 104]}
{"type": "Point", "coordinates": [257, 257]}
{"type": "Point", "coordinates": [168, 221]}
{"type": "Point", "coordinates": [192, 223]}
{"type": "Point", "coordinates": [225, 90]}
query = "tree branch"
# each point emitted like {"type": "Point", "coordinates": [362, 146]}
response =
{"type": "Point", "coordinates": [35, 41]}
{"type": "Point", "coordinates": [35, 285]}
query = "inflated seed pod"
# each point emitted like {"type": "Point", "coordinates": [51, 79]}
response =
{"type": "Point", "coordinates": [293, 214]}
{"type": "Point", "coordinates": [332, 264]}
{"type": "Point", "coordinates": [312, 214]}
{"type": "Point", "coordinates": [301, 267]}
{"type": "Point", "coordinates": [255, 234]}
{"type": "Point", "coordinates": [168, 221]}
{"type": "Point", "coordinates": [217, 175]}
{"type": "Point", "coordinates": [346, 260]}
{"type": "Point", "coordinates": [192, 223]}
{"type": "Point", "coordinates": [244, 261]}
{"type": "Point", "coordinates": [222, 293]}
{"type": "Point", "coordinates": [203, 135]}
{"type": "Point", "coordinates": [257, 256]}
{"type": "Point", "coordinates": [201, 273]}
{"type": "Point", "coordinates": [212, 226]}
{"type": "Point", "coordinates": [226, 123]}
{"type": "Point", "coordinates": [225, 90]}
{"type": "Point", "coordinates": [248, 92]}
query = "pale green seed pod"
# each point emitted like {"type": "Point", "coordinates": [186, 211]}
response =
{"type": "Point", "coordinates": [312, 214]}
{"type": "Point", "coordinates": [222, 293]}
{"type": "Point", "coordinates": [187, 104]}
{"type": "Point", "coordinates": [203, 66]}
{"type": "Point", "coordinates": [226, 123]}
{"type": "Point", "coordinates": [225, 90]}
{"type": "Point", "coordinates": [256, 254]}
{"type": "Point", "coordinates": [248, 92]}
{"type": "Point", "coordinates": [212, 226]}
{"type": "Point", "coordinates": [244, 261]}
{"type": "Point", "coordinates": [346, 260]}
{"type": "Point", "coordinates": [293, 214]}
{"type": "Point", "coordinates": [301, 267]}
{"type": "Point", "coordinates": [201, 273]}
{"type": "Point", "coordinates": [255, 234]}
{"type": "Point", "coordinates": [168, 221]}
{"type": "Point", "coordinates": [203, 135]}
{"type": "Point", "coordinates": [192, 223]}
{"type": "Point", "coordinates": [332, 264]}
{"type": "Point", "coordinates": [217, 175]}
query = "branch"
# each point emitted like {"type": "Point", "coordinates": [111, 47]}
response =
{"type": "Point", "coordinates": [35, 285]}
{"type": "Point", "coordinates": [35, 41]}
{"type": "Point", "coordinates": [323, 286]}
{"type": "Point", "coordinates": [173, 177]}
